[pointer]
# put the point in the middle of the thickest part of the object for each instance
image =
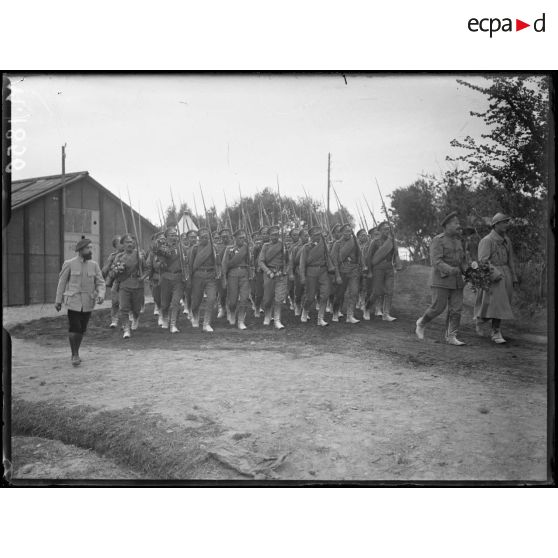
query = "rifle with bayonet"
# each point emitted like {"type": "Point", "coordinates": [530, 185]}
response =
{"type": "Point", "coordinates": [282, 225]}
{"type": "Point", "coordinates": [180, 251]}
{"type": "Point", "coordinates": [395, 255]}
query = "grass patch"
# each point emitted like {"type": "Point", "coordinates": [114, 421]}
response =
{"type": "Point", "coordinates": [130, 436]}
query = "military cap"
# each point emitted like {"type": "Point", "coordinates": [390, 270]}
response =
{"type": "Point", "coordinates": [82, 244]}
{"type": "Point", "coordinates": [314, 230]}
{"type": "Point", "coordinates": [225, 230]}
{"type": "Point", "coordinates": [361, 231]}
{"type": "Point", "coordinates": [127, 235]}
{"type": "Point", "coordinates": [448, 218]}
{"type": "Point", "coordinates": [272, 229]}
{"type": "Point", "coordinates": [372, 230]}
{"type": "Point", "coordinates": [345, 227]}
{"type": "Point", "coordinates": [383, 223]}
{"type": "Point", "coordinates": [170, 230]}
{"type": "Point", "coordinates": [237, 232]}
{"type": "Point", "coordinates": [203, 229]}
{"type": "Point", "coordinates": [264, 229]}
{"type": "Point", "coordinates": [335, 228]}
{"type": "Point", "coordinates": [184, 235]}
{"type": "Point", "coordinates": [192, 231]}
{"type": "Point", "coordinates": [500, 218]}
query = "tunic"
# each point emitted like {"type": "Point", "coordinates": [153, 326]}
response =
{"type": "Point", "coordinates": [448, 261]}
{"type": "Point", "coordinates": [80, 282]}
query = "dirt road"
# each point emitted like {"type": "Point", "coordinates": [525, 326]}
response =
{"type": "Point", "coordinates": [348, 402]}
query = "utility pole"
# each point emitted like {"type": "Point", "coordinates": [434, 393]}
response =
{"type": "Point", "coordinates": [62, 222]}
{"type": "Point", "coordinates": [328, 180]}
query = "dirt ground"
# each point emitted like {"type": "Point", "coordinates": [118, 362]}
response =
{"type": "Point", "coordinates": [348, 402]}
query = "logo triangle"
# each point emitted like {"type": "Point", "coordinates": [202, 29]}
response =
{"type": "Point", "coordinates": [519, 25]}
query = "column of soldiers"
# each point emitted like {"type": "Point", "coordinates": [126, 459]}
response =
{"type": "Point", "coordinates": [304, 271]}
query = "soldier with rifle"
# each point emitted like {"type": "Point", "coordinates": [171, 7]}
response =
{"type": "Point", "coordinates": [173, 273]}
{"type": "Point", "coordinates": [294, 270]}
{"type": "Point", "coordinates": [236, 272]}
{"type": "Point", "coordinates": [115, 306]}
{"type": "Point", "coordinates": [347, 258]}
{"type": "Point", "coordinates": [224, 237]}
{"type": "Point", "coordinates": [187, 246]}
{"type": "Point", "coordinates": [315, 265]}
{"type": "Point", "coordinates": [258, 290]}
{"type": "Point", "coordinates": [292, 241]}
{"type": "Point", "coordinates": [273, 261]}
{"type": "Point", "coordinates": [153, 273]}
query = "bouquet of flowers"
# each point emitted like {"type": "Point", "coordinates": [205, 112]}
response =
{"type": "Point", "coordinates": [479, 276]}
{"type": "Point", "coordinates": [117, 268]}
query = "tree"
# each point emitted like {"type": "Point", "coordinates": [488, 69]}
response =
{"type": "Point", "coordinates": [514, 153]}
{"type": "Point", "coordinates": [415, 216]}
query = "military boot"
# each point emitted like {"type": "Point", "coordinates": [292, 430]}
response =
{"type": "Point", "coordinates": [173, 320]}
{"type": "Point", "coordinates": [277, 317]}
{"type": "Point", "coordinates": [241, 318]}
{"type": "Point", "coordinates": [267, 318]}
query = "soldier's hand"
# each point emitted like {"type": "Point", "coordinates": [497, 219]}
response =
{"type": "Point", "coordinates": [58, 306]}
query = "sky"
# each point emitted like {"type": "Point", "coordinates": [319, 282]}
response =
{"type": "Point", "coordinates": [153, 132]}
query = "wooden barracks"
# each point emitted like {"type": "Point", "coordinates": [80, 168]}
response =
{"type": "Point", "coordinates": [49, 215]}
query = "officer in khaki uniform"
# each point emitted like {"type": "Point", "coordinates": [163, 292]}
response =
{"type": "Point", "coordinates": [236, 273]}
{"type": "Point", "coordinates": [80, 285]}
{"type": "Point", "coordinates": [448, 262]}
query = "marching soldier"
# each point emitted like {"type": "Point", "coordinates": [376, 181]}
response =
{"type": "Point", "coordinates": [448, 263]}
{"type": "Point", "coordinates": [495, 305]}
{"type": "Point", "coordinates": [80, 285]}
{"type": "Point", "coordinates": [220, 248]}
{"type": "Point", "coordinates": [294, 270]}
{"type": "Point", "coordinates": [127, 270]}
{"type": "Point", "coordinates": [236, 273]}
{"type": "Point", "coordinates": [273, 261]}
{"type": "Point", "coordinates": [315, 265]}
{"type": "Point", "coordinates": [205, 273]}
{"type": "Point", "coordinates": [335, 235]}
{"type": "Point", "coordinates": [263, 237]}
{"type": "Point", "coordinates": [188, 245]}
{"type": "Point", "coordinates": [292, 241]}
{"type": "Point", "coordinates": [381, 258]}
{"type": "Point", "coordinates": [153, 273]}
{"type": "Point", "coordinates": [173, 277]}
{"type": "Point", "coordinates": [346, 258]}
{"type": "Point", "coordinates": [114, 309]}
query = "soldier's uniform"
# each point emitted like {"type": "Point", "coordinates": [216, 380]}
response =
{"type": "Point", "coordinates": [191, 241]}
{"type": "Point", "coordinates": [258, 272]}
{"type": "Point", "coordinates": [346, 258]}
{"type": "Point", "coordinates": [448, 261]}
{"type": "Point", "coordinates": [153, 272]}
{"type": "Point", "coordinates": [115, 305]}
{"type": "Point", "coordinates": [237, 270]}
{"type": "Point", "coordinates": [131, 289]}
{"type": "Point", "coordinates": [220, 248]}
{"type": "Point", "coordinates": [335, 234]}
{"type": "Point", "coordinates": [381, 257]}
{"type": "Point", "coordinates": [496, 249]}
{"type": "Point", "coordinates": [173, 277]}
{"type": "Point", "coordinates": [368, 274]}
{"type": "Point", "coordinates": [292, 241]}
{"type": "Point", "coordinates": [314, 273]}
{"type": "Point", "coordinates": [273, 261]}
{"type": "Point", "coordinates": [80, 284]}
{"type": "Point", "coordinates": [294, 271]}
{"type": "Point", "coordinates": [205, 273]}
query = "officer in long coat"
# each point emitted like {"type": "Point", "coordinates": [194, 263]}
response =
{"type": "Point", "coordinates": [448, 264]}
{"type": "Point", "coordinates": [495, 304]}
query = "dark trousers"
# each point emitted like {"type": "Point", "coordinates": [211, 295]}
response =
{"type": "Point", "coordinates": [298, 289]}
{"type": "Point", "coordinates": [77, 321]}
{"type": "Point", "coordinates": [258, 289]}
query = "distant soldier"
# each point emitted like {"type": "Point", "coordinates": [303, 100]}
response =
{"type": "Point", "coordinates": [294, 270]}
{"type": "Point", "coordinates": [382, 258]}
{"type": "Point", "coordinates": [205, 272]}
{"type": "Point", "coordinates": [373, 234]}
{"type": "Point", "coordinates": [448, 264]}
{"type": "Point", "coordinates": [220, 247]}
{"type": "Point", "coordinates": [236, 272]}
{"type": "Point", "coordinates": [80, 286]}
{"type": "Point", "coordinates": [153, 274]}
{"type": "Point", "coordinates": [496, 249]}
{"type": "Point", "coordinates": [263, 237]}
{"type": "Point", "coordinates": [114, 309]}
{"type": "Point", "coordinates": [314, 269]}
{"type": "Point", "coordinates": [127, 269]}
{"type": "Point", "coordinates": [346, 258]}
{"type": "Point", "coordinates": [273, 261]}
